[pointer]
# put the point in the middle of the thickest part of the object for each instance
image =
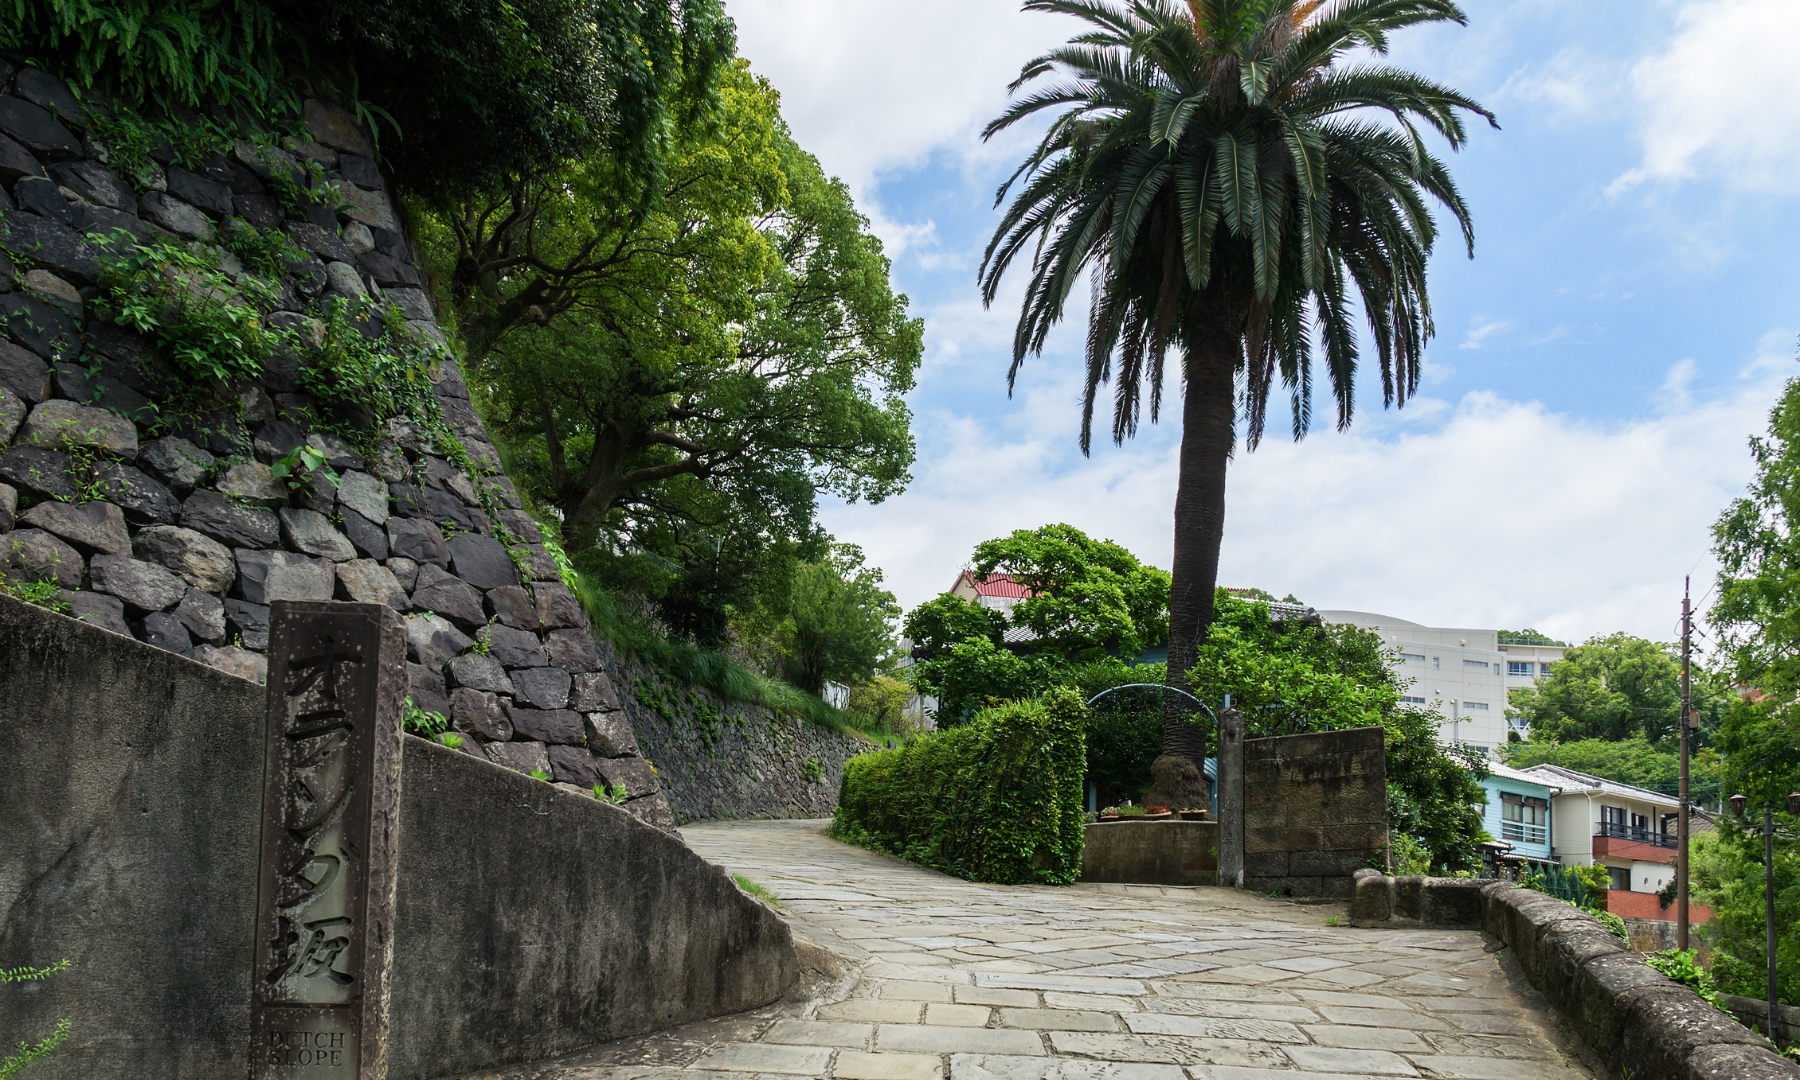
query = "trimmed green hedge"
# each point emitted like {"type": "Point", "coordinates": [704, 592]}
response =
{"type": "Point", "coordinates": [998, 799]}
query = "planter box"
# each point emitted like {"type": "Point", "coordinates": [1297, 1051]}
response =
{"type": "Point", "coordinates": [1163, 852]}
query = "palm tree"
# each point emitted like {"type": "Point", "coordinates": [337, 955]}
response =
{"type": "Point", "coordinates": [1216, 168]}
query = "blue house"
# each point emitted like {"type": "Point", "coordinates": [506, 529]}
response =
{"type": "Point", "coordinates": [1518, 811]}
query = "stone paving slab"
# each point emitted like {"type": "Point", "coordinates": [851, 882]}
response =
{"type": "Point", "coordinates": [955, 980]}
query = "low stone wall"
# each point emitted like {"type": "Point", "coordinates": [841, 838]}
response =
{"type": "Point", "coordinates": [1151, 852]}
{"type": "Point", "coordinates": [715, 759]}
{"type": "Point", "coordinates": [531, 920]}
{"type": "Point", "coordinates": [1315, 810]}
{"type": "Point", "coordinates": [1635, 1020]}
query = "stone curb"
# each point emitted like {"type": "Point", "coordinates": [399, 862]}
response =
{"type": "Point", "coordinates": [1637, 1021]}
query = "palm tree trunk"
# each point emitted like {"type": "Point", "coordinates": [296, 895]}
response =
{"type": "Point", "coordinates": [1208, 432]}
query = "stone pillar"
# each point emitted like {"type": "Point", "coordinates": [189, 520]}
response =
{"type": "Point", "coordinates": [331, 795]}
{"type": "Point", "coordinates": [1231, 798]}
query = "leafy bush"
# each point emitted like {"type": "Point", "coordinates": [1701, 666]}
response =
{"type": "Point", "coordinates": [998, 799]}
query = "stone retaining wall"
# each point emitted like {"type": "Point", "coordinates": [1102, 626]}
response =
{"type": "Point", "coordinates": [168, 526]}
{"type": "Point", "coordinates": [1315, 810]}
{"type": "Point", "coordinates": [716, 759]}
{"type": "Point", "coordinates": [1637, 1022]}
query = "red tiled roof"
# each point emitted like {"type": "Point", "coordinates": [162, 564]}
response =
{"type": "Point", "coordinates": [994, 585]}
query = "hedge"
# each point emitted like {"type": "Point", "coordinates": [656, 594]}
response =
{"type": "Point", "coordinates": [997, 799]}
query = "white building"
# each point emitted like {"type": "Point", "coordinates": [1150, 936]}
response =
{"type": "Point", "coordinates": [1466, 674]}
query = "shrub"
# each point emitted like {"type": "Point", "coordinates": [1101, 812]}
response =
{"type": "Point", "coordinates": [998, 799]}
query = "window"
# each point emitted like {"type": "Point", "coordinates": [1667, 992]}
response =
{"type": "Point", "coordinates": [1412, 658]}
{"type": "Point", "coordinates": [1522, 668]}
{"type": "Point", "coordinates": [1482, 664]}
{"type": "Point", "coordinates": [1475, 706]}
{"type": "Point", "coordinates": [1408, 699]}
{"type": "Point", "coordinates": [1621, 877]}
{"type": "Point", "coordinates": [1543, 669]}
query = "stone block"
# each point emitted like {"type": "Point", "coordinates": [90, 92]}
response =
{"type": "Point", "coordinates": [233, 523]}
{"type": "Point", "coordinates": [593, 692]}
{"type": "Point", "coordinates": [609, 733]}
{"type": "Point", "coordinates": [197, 559]}
{"type": "Point", "coordinates": [449, 596]}
{"type": "Point", "coordinates": [573, 765]}
{"type": "Point", "coordinates": [433, 640]}
{"type": "Point", "coordinates": [542, 688]}
{"type": "Point", "coordinates": [418, 540]}
{"type": "Point", "coordinates": [514, 607]}
{"type": "Point", "coordinates": [560, 727]}
{"type": "Point", "coordinates": [312, 532]}
{"type": "Point", "coordinates": [482, 561]}
{"type": "Point", "coordinates": [166, 632]}
{"type": "Point", "coordinates": [144, 586]}
{"type": "Point", "coordinates": [573, 651]}
{"type": "Point", "coordinates": [479, 673]}
{"type": "Point", "coordinates": [479, 712]}
{"type": "Point", "coordinates": [366, 581]}
{"type": "Point", "coordinates": [98, 609]}
{"type": "Point", "coordinates": [514, 648]}
{"type": "Point", "coordinates": [203, 614]}
{"type": "Point", "coordinates": [249, 622]}
{"type": "Point", "coordinates": [41, 473]}
{"type": "Point", "coordinates": [60, 425]}
{"type": "Point", "coordinates": [144, 501]}
{"type": "Point", "coordinates": [521, 757]}
{"type": "Point", "coordinates": [176, 462]}
{"type": "Point", "coordinates": [94, 526]}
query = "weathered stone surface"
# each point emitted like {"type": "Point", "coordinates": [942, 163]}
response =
{"type": "Point", "coordinates": [479, 712]}
{"type": "Point", "coordinates": [251, 481]}
{"type": "Point", "coordinates": [369, 540]}
{"type": "Point", "coordinates": [250, 622]}
{"type": "Point", "coordinates": [542, 687]}
{"type": "Point", "coordinates": [23, 373]}
{"type": "Point", "coordinates": [514, 648]}
{"type": "Point", "coordinates": [98, 609]}
{"type": "Point", "coordinates": [432, 640]}
{"type": "Point", "coordinates": [449, 596]}
{"type": "Point", "coordinates": [197, 559]}
{"type": "Point", "coordinates": [203, 614]}
{"type": "Point", "coordinates": [176, 216]}
{"type": "Point", "coordinates": [560, 726]}
{"type": "Point", "coordinates": [59, 425]}
{"type": "Point", "coordinates": [176, 462]}
{"type": "Point", "coordinates": [405, 571]}
{"type": "Point", "coordinates": [426, 687]}
{"type": "Point", "coordinates": [514, 607]}
{"type": "Point", "coordinates": [144, 586]}
{"type": "Point", "coordinates": [312, 532]}
{"type": "Point", "coordinates": [165, 631]}
{"type": "Point", "coordinates": [265, 576]}
{"type": "Point", "coordinates": [144, 501]}
{"type": "Point", "coordinates": [51, 244]}
{"type": "Point", "coordinates": [521, 757]}
{"type": "Point", "coordinates": [39, 556]}
{"type": "Point", "coordinates": [610, 734]}
{"type": "Point", "coordinates": [40, 473]}
{"type": "Point", "coordinates": [418, 540]}
{"type": "Point", "coordinates": [573, 651]}
{"type": "Point", "coordinates": [593, 692]}
{"type": "Point", "coordinates": [34, 128]}
{"type": "Point", "coordinates": [479, 672]}
{"type": "Point", "coordinates": [233, 523]}
{"type": "Point", "coordinates": [558, 609]}
{"type": "Point", "coordinates": [572, 765]}
{"type": "Point", "coordinates": [482, 561]}
{"type": "Point", "coordinates": [232, 661]}
{"type": "Point", "coordinates": [367, 581]}
{"type": "Point", "coordinates": [364, 494]}
{"type": "Point", "coordinates": [95, 526]}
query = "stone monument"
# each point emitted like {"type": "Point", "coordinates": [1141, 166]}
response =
{"type": "Point", "coordinates": [331, 796]}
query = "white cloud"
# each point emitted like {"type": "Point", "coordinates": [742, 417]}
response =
{"type": "Point", "coordinates": [1504, 514]}
{"type": "Point", "coordinates": [1722, 99]}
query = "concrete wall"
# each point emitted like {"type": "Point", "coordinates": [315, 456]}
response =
{"type": "Point", "coordinates": [531, 920]}
{"type": "Point", "coordinates": [1635, 1021]}
{"type": "Point", "coordinates": [1315, 810]}
{"type": "Point", "coordinates": [1151, 852]}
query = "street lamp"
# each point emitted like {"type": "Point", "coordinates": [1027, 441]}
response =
{"type": "Point", "coordinates": [1738, 804]}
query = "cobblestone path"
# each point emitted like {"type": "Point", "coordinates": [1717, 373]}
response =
{"type": "Point", "coordinates": [1095, 982]}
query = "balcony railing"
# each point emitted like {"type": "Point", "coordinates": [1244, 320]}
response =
{"type": "Point", "coordinates": [1637, 833]}
{"type": "Point", "coordinates": [1517, 830]}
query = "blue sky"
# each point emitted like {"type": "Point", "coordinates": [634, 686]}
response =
{"type": "Point", "coordinates": [1627, 321]}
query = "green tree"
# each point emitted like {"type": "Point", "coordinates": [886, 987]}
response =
{"type": "Point", "coordinates": [836, 622]}
{"type": "Point", "coordinates": [1215, 169]}
{"type": "Point", "coordinates": [1091, 597]}
{"type": "Point", "coordinates": [743, 345]}
{"type": "Point", "coordinates": [1613, 688]}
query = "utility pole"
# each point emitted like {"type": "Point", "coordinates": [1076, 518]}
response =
{"type": "Point", "coordinates": [1681, 816]}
